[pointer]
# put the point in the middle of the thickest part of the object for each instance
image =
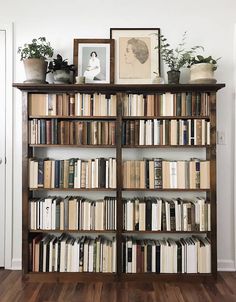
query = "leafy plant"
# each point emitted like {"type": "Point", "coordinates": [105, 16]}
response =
{"type": "Point", "coordinates": [60, 64]}
{"type": "Point", "coordinates": [39, 49]}
{"type": "Point", "coordinates": [177, 57]}
{"type": "Point", "coordinates": [200, 59]}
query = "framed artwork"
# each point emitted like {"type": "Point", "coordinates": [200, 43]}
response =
{"type": "Point", "coordinates": [94, 59]}
{"type": "Point", "coordinates": [136, 58]}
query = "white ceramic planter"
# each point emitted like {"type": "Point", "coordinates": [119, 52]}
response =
{"type": "Point", "coordinates": [35, 70]}
{"type": "Point", "coordinates": [202, 73]}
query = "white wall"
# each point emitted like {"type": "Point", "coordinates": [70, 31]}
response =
{"type": "Point", "coordinates": [209, 23]}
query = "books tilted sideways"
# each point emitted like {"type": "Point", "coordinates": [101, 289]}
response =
{"type": "Point", "coordinates": [186, 255]}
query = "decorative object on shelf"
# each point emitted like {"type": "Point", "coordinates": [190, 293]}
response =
{"type": "Point", "coordinates": [94, 59]}
{"type": "Point", "coordinates": [61, 70]}
{"type": "Point", "coordinates": [158, 79]}
{"type": "Point", "coordinates": [80, 80]}
{"type": "Point", "coordinates": [175, 58]}
{"type": "Point", "coordinates": [202, 69]}
{"type": "Point", "coordinates": [34, 57]}
{"type": "Point", "coordinates": [136, 55]}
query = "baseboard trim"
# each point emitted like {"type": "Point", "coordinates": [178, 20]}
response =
{"type": "Point", "coordinates": [16, 264]}
{"type": "Point", "coordinates": [226, 265]}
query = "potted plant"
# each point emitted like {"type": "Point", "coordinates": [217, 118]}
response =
{"type": "Point", "coordinates": [61, 70]}
{"type": "Point", "coordinates": [175, 58]}
{"type": "Point", "coordinates": [202, 69]}
{"type": "Point", "coordinates": [34, 57]}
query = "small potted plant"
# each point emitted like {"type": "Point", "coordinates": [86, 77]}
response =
{"type": "Point", "coordinates": [202, 69]}
{"type": "Point", "coordinates": [61, 70]}
{"type": "Point", "coordinates": [34, 57]}
{"type": "Point", "coordinates": [175, 58]}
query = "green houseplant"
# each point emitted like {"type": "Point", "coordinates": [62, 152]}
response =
{"type": "Point", "coordinates": [202, 69]}
{"type": "Point", "coordinates": [176, 58]}
{"type": "Point", "coordinates": [34, 57]}
{"type": "Point", "coordinates": [61, 70]}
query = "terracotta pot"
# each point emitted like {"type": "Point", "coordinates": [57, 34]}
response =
{"type": "Point", "coordinates": [173, 76]}
{"type": "Point", "coordinates": [61, 77]}
{"type": "Point", "coordinates": [35, 70]}
{"type": "Point", "coordinates": [202, 73]}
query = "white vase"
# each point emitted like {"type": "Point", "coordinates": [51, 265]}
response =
{"type": "Point", "coordinates": [202, 73]}
{"type": "Point", "coordinates": [35, 70]}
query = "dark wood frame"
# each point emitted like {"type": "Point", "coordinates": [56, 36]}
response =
{"type": "Point", "coordinates": [97, 41]}
{"type": "Point", "coordinates": [112, 30]}
{"type": "Point", "coordinates": [120, 90]}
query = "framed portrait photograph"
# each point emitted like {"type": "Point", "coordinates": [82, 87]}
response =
{"type": "Point", "coordinates": [136, 58]}
{"type": "Point", "coordinates": [94, 59]}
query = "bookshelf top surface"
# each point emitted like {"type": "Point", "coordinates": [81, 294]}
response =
{"type": "Point", "coordinates": [109, 88]}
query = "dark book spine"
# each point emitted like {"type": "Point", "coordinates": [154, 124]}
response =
{"type": "Point", "coordinates": [172, 217]}
{"type": "Point", "coordinates": [192, 132]}
{"type": "Point", "coordinates": [198, 174]}
{"type": "Point", "coordinates": [47, 256]}
{"type": "Point", "coordinates": [185, 130]}
{"type": "Point", "coordinates": [157, 173]}
{"type": "Point", "coordinates": [198, 103]}
{"type": "Point", "coordinates": [178, 104]}
{"type": "Point", "coordinates": [149, 258]}
{"type": "Point", "coordinates": [40, 173]}
{"type": "Point", "coordinates": [41, 256]}
{"type": "Point", "coordinates": [158, 258]}
{"type": "Point", "coordinates": [179, 258]}
{"type": "Point", "coordinates": [148, 215]}
{"type": "Point", "coordinates": [189, 103]}
{"type": "Point", "coordinates": [123, 137]}
{"type": "Point", "coordinates": [102, 173]}
{"type": "Point", "coordinates": [52, 131]}
{"type": "Point", "coordinates": [57, 174]}
{"type": "Point", "coordinates": [61, 173]}
{"type": "Point", "coordinates": [71, 173]}
{"type": "Point", "coordinates": [55, 130]}
{"type": "Point", "coordinates": [147, 173]}
{"type": "Point", "coordinates": [42, 132]}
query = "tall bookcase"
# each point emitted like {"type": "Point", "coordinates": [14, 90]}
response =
{"type": "Point", "coordinates": [120, 91]}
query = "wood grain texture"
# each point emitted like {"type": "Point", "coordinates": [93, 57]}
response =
{"type": "Point", "coordinates": [14, 289]}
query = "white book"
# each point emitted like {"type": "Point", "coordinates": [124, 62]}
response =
{"type": "Point", "coordinates": [141, 132]}
{"type": "Point", "coordinates": [173, 174]}
{"type": "Point", "coordinates": [128, 254]}
{"type": "Point", "coordinates": [154, 216]}
{"type": "Point", "coordinates": [130, 215]}
{"type": "Point", "coordinates": [159, 213]}
{"type": "Point", "coordinates": [47, 214]}
{"type": "Point", "coordinates": [153, 257]}
{"type": "Point", "coordinates": [134, 256]}
{"type": "Point", "coordinates": [156, 133]}
{"type": "Point", "coordinates": [53, 211]}
{"type": "Point", "coordinates": [91, 251]}
{"type": "Point", "coordinates": [204, 132]}
{"type": "Point", "coordinates": [86, 256]}
{"type": "Point", "coordinates": [113, 255]}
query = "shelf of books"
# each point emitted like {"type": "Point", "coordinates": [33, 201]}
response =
{"type": "Point", "coordinates": [119, 181]}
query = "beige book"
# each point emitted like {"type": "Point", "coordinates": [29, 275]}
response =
{"type": "Point", "coordinates": [204, 174]}
{"type": "Point", "coordinates": [192, 175]}
{"type": "Point", "coordinates": [66, 173]}
{"type": "Point", "coordinates": [137, 173]}
{"type": "Point", "coordinates": [181, 174]}
{"type": "Point", "coordinates": [142, 216]}
{"type": "Point", "coordinates": [173, 132]}
{"type": "Point", "coordinates": [132, 174]}
{"type": "Point", "coordinates": [113, 105]}
{"type": "Point", "coordinates": [165, 174]}
{"type": "Point", "coordinates": [128, 172]}
{"type": "Point", "coordinates": [37, 104]}
{"type": "Point", "coordinates": [142, 174]}
{"type": "Point", "coordinates": [151, 174]}
{"type": "Point", "coordinates": [73, 219]}
{"type": "Point", "coordinates": [183, 104]}
{"type": "Point", "coordinates": [62, 218]}
{"type": "Point", "coordinates": [47, 173]}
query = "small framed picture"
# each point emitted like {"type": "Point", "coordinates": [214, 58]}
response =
{"type": "Point", "coordinates": [136, 59]}
{"type": "Point", "coordinates": [94, 59]}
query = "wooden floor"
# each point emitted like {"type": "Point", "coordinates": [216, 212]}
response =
{"type": "Point", "coordinates": [13, 289]}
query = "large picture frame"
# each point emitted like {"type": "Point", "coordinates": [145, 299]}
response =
{"type": "Point", "coordinates": [94, 60]}
{"type": "Point", "coordinates": [136, 58]}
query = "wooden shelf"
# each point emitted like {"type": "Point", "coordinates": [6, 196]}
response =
{"type": "Point", "coordinates": [73, 117]}
{"type": "Point", "coordinates": [71, 189]}
{"type": "Point", "coordinates": [70, 146]}
{"type": "Point", "coordinates": [189, 117]}
{"type": "Point", "coordinates": [72, 231]}
{"type": "Point", "coordinates": [167, 190]}
{"type": "Point", "coordinates": [165, 232]}
{"type": "Point", "coordinates": [164, 146]}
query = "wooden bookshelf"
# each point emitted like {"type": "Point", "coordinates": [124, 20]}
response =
{"type": "Point", "coordinates": [29, 150]}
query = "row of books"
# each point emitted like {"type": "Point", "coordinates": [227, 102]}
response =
{"type": "Point", "coordinates": [166, 104]}
{"type": "Point", "coordinates": [159, 214]}
{"type": "Point", "coordinates": [49, 253]}
{"type": "Point", "coordinates": [187, 255]}
{"type": "Point", "coordinates": [63, 104]}
{"type": "Point", "coordinates": [72, 173]}
{"type": "Point", "coordinates": [72, 213]}
{"type": "Point", "coordinates": [166, 132]}
{"type": "Point", "coordinates": [52, 131]}
{"type": "Point", "coordinates": [158, 173]}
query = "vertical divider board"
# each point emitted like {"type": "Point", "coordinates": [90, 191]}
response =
{"type": "Point", "coordinates": [212, 194]}
{"type": "Point", "coordinates": [119, 182]}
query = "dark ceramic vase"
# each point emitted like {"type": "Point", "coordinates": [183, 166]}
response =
{"type": "Point", "coordinates": [173, 76]}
